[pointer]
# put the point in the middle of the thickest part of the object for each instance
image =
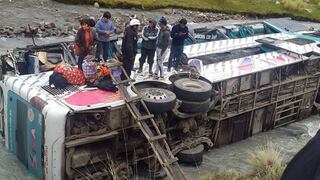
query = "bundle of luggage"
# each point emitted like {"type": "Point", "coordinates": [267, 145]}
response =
{"type": "Point", "coordinates": [93, 74]}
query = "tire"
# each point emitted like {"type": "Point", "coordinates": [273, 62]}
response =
{"type": "Point", "coordinates": [2, 126]}
{"type": "Point", "coordinates": [184, 59]}
{"type": "Point", "coordinates": [151, 84]}
{"type": "Point", "coordinates": [194, 107]}
{"type": "Point", "coordinates": [192, 89]}
{"type": "Point", "coordinates": [158, 100]}
{"type": "Point", "coordinates": [193, 156]}
{"type": "Point", "coordinates": [175, 77]}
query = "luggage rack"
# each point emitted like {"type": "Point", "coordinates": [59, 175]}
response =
{"type": "Point", "coordinates": [149, 127]}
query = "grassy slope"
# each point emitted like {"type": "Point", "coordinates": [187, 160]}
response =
{"type": "Point", "coordinates": [256, 7]}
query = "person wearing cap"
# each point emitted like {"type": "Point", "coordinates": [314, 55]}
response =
{"type": "Point", "coordinates": [179, 33]}
{"type": "Point", "coordinates": [105, 29]}
{"type": "Point", "coordinates": [132, 16]}
{"type": "Point", "coordinates": [149, 38]}
{"type": "Point", "coordinates": [85, 41]}
{"type": "Point", "coordinates": [129, 46]}
{"type": "Point", "coordinates": [162, 45]}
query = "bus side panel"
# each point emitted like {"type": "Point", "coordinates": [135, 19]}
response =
{"type": "Point", "coordinates": [25, 133]}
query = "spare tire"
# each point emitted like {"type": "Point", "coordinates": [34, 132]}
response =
{"type": "Point", "coordinates": [184, 59]}
{"type": "Point", "coordinates": [194, 107]}
{"type": "Point", "coordinates": [192, 156]}
{"type": "Point", "coordinates": [158, 100]}
{"type": "Point", "coordinates": [192, 89]}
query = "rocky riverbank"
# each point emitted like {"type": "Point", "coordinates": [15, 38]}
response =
{"type": "Point", "coordinates": [46, 18]}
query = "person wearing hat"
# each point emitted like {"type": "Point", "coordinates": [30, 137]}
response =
{"type": "Point", "coordinates": [129, 46]}
{"type": "Point", "coordinates": [149, 38]}
{"type": "Point", "coordinates": [105, 29]}
{"type": "Point", "coordinates": [132, 16]}
{"type": "Point", "coordinates": [179, 33]}
{"type": "Point", "coordinates": [162, 45]}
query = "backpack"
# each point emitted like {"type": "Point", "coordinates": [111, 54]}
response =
{"type": "Point", "coordinates": [58, 80]}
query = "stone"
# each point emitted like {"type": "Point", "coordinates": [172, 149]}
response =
{"type": "Point", "coordinates": [96, 5]}
{"type": "Point", "coordinates": [308, 10]}
{"type": "Point", "coordinates": [69, 27]}
{"type": "Point", "coordinates": [18, 31]}
{"type": "Point", "coordinates": [49, 25]}
{"type": "Point", "coordinates": [42, 28]}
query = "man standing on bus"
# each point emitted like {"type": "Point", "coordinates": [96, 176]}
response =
{"type": "Point", "coordinates": [105, 29]}
{"type": "Point", "coordinates": [149, 39]}
{"type": "Point", "coordinates": [179, 33]}
{"type": "Point", "coordinates": [129, 46]}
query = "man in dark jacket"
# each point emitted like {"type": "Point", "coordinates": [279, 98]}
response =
{"type": "Point", "coordinates": [85, 40]}
{"type": "Point", "coordinates": [149, 38]}
{"type": "Point", "coordinates": [306, 164]}
{"type": "Point", "coordinates": [162, 50]}
{"type": "Point", "coordinates": [179, 33]}
{"type": "Point", "coordinates": [129, 46]}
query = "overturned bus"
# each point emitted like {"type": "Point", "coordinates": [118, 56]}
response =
{"type": "Point", "coordinates": [247, 86]}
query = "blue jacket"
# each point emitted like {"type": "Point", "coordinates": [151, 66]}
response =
{"type": "Point", "coordinates": [178, 40]}
{"type": "Point", "coordinates": [103, 26]}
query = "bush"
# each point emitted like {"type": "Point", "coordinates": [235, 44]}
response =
{"type": "Point", "coordinates": [267, 162]}
{"type": "Point", "coordinates": [230, 175]}
{"type": "Point", "coordinates": [293, 5]}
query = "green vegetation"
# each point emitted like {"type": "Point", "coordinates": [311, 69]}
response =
{"type": "Point", "coordinates": [293, 8]}
{"type": "Point", "coordinates": [266, 162]}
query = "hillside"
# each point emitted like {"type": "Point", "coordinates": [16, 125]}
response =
{"type": "Point", "coordinates": [300, 9]}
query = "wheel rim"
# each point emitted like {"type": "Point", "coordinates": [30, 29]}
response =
{"type": "Point", "coordinates": [155, 94]}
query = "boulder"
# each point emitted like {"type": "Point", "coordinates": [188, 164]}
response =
{"type": "Point", "coordinates": [96, 5]}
